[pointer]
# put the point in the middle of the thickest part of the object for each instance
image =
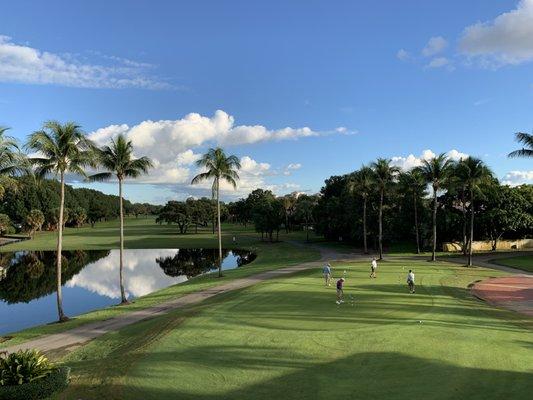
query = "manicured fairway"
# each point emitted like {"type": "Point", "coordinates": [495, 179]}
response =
{"type": "Point", "coordinates": [287, 339]}
{"type": "Point", "coordinates": [520, 262]}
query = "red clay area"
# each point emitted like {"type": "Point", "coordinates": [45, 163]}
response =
{"type": "Point", "coordinates": [512, 292]}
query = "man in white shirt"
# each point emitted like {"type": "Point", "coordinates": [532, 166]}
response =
{"type": "Point", "coordinates": [373, 267]}
{"type": "Point", "coordinates": [411, 281]}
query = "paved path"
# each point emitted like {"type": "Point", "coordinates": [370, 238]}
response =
{"type": "Point", "coordinates": [85, 333]}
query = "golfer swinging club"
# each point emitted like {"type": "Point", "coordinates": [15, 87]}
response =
{"type": "Point", "coordinates": [326, 271]}
{"type": "Point", "coordinates": [411, 281]}
{"type": "Point", "coordinates": [373, 267]}
{"type": "Point", "coordinates": [340, 292]}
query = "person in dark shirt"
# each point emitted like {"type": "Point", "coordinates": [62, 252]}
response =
{"type": "Point", "coordinates": [340, 292]}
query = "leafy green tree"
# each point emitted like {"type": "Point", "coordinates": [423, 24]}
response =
{"type": "Point", "coordinates": [34, 221]}
{"type": "Point", "coordinates": [304, 209]}
{"type": "Point", "coordinates": [289, 203]}
{"type": "Point", "coordinates": [362, 182]}
{"type": "Point", "coordinates": [5, 224]}
{"type": "Point", "coordinates": [505, 210]}
{"type": "Point", "coordinates": [176, 212]}
{"type": "Point", "coordinates": [473, 173]}
{"type": "Point", "coordinates": [78, 216]}
{"type": "Point", "coordinates": [412, 184]}
{"type": "Point", "coordinates": [527, 140]}
{"type": "Point", "coordinates": [219, 167]}
{"type": "Point", "coordinates": [384, 178]}
{"type": "Point", "coordinates": [52, 217]}
{"type": "Point", "coordinates": [436, 171]}
{"type": "Point", "coordinates": [118, 162]}
{"type": "Point", "coordinates": [62, 148]}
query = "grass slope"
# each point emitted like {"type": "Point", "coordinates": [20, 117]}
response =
{"type": "Point", "coordinates": [520, 262]}
{"type": "Point", "coordinates": [144, 233]}
{"type": "Point", "coordinates": [288, 339]}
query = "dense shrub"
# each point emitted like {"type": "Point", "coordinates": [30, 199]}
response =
{"type": "Point", "coordinates": [23, 367]}
{"type": "Point", "coordinates": [38, 389]}
{"type": "Point", "coordinates": [27, 374]}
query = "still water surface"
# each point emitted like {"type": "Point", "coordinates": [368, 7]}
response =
{"type": "Point", "coordinates": [90, 279]}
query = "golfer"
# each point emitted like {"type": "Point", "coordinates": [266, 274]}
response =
{"type": "Point", "coordinates": [411, 281]}
{"type": "Point", "coordinates": [373, 267]}
{"type": "Point", "coordinates": [326, 271]}
{"type": "Point", "coordinates": [340, 293]}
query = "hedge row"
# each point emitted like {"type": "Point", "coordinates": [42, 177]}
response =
{"type": "Point", "coordinates": [39, 389]}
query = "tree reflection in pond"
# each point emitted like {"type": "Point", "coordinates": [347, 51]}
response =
{"type": "Point", "coordinates": [32, 275]}
{"type": "Point", "coordinates": [193, 262]}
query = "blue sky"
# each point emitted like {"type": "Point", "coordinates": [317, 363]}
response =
{"type": "Point", "coordinates": [352, 81]}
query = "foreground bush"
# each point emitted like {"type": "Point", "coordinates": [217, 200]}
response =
{"type": "Point", "coordinates": [29, 375]}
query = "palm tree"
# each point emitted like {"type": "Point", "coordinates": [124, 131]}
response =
{"type": "Point", "coordinates": [473, 173]}
{"type": "Point", "coordinates": [60, 148]}
{"type": "Point", "coordinates": [527, 140]}
{"type": "Point", "coordinates": [436, 171]}
{"type": "Point", "coordinates": [119, 163]}
{"type": "Point", "coordinates": [9, 152]}
{"type": "Point", "coordinates": [361, 182]}
{"type": "Point", "coordinates": [384, 176]}
{"type": "Point", "coordinates": [413, 183]}
{"type": "Point", "coordinates": [12, 161]}
{"type": "Point", "coordinates": [219, 167]}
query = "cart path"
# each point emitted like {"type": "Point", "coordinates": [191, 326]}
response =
{"type": "Point", "coordinates": [83, 334]}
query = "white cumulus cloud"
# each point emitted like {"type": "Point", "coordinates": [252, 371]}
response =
{"type": "Point", "coordinates": [411, 161]}
{"type": "Point", "coordinates": [403, 55]}
{"type": "Point", "coordinates": [171, 145]}
{"type": "Point", "coordinates": [508, 39]}
{"type": "Point", "coordinates": [24, 64]}
{"type": "Point", "coordinates": [515, 178]}
{"type": "Point", "coordinates": [434, 46]}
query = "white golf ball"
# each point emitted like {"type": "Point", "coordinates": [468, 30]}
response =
{"type": "Point", "coordinates": [419, 322]}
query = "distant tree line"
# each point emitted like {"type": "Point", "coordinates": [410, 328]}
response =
{"type": "Point", "coordinates": [32, 205]}
{"type": "Point", "coordinates": [268, 214]}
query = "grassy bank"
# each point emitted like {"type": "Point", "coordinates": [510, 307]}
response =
{"type": "Point", "coordinates": [521, 262]}
{"type": "Point", "coordinates": [286, 338]}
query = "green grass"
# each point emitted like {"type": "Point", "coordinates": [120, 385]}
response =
{"type": "Point", "coordinates": [287, 339]}
{"type": "Point", "coordinates": [520, 262]}
{"type": "Point", "coordinates": [144, 233]}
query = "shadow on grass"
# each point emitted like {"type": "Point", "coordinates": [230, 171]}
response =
{"type": "Point", "coordinates": [231, 372]}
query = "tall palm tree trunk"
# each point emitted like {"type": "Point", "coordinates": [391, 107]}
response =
{"type": "Point", "coordinates": [121, 262]}
{"type": "Point", "coordinates": [381, 225]}
{"type": "Point", "coordinates": [471, 228]}
{"type": "Point", "coordinates": [219, 232]}
{"type": "Point", "coordinates": [465, 239]}
{"type": "Point", "coordinates": [433, 256]}
{"type": "Point", "coordinates": [416, 225]}
{"type": "Point", "coordinates": [61, 314]}
{"type": "Point", "coordinates": [365, 245]}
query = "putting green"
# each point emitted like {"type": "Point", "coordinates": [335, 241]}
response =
{"type": "Point", "coordinates": [287, 339]}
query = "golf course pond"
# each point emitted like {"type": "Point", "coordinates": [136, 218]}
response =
{"type": "Point", "coordinates": [91, 279]}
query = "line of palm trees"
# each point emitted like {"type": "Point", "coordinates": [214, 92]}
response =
{"type": "Point", "coordinates": [440, 172]}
